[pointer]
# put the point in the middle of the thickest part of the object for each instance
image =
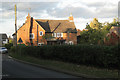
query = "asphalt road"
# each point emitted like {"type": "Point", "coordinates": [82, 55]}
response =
{"type": "Point", "coordinates": [14, 69]}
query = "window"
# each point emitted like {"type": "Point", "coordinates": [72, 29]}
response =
{"type": "Point", "coordinates": [61, 34]}
{"type": "Point", "coordinates": [40, 44]}
{"type": "Point", "coordinates": [41, 33]}
{"type": "Point", "coordinates": [70, 42]}
{"type": "Point", "coordinates": [31, 35]}
{"type": "Point", "coordinates": [58, 34]}
{"type": "Point", "coordinates": [54, 34]}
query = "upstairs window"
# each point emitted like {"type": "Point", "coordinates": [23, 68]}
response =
{"type": "Point", "coordinates": [41, 33]}
{"type": "Point", "coordinates": [61, 34]}
{"type": "Point", "coordinates": [54, 34]}
{"type": "Point", "coordinates": [58, 34]}
{"type": "Point", "coordinates": [31, 35]}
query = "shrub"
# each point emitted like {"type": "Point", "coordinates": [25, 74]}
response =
{"type": "Point", "coordinates": [9, 45]}
{"type": "Point", "coordinates": [104, 56]}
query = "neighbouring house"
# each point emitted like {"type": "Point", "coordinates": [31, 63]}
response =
{"type": "Point", "coordinates": [113, 37]}
{"type": "Point", "coordinates": [44, 31]}
{"type": "Point", "coordinates": [3, 39]}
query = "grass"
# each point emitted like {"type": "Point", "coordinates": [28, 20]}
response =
{"type": "Point", "coordinates": [82, 69]}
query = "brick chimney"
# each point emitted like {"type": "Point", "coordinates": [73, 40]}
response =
{"type": "Point", "coordinates": [28, 17]}
{"type": "Point", "coordinates": [70, 18]}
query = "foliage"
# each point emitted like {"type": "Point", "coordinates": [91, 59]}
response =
{"type": "Point", "coordinates": [96, 32]}
{"type": "Point", "coordinates": [9, 45]}
{"type": "Point", "coordinates": [92, 36]}
{"type": "Point", "coordinates": [102, 56]}
{"type": "Point", "coordinates": [95, 24]}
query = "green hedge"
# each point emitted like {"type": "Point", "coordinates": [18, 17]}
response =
{"type": "Point", "coordinates": [8, 46]}
{"type": "Point", "coordinates": [102, 56]}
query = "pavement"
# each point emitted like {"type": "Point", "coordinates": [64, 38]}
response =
{"type": "Point", "coordinates": [14, 69]}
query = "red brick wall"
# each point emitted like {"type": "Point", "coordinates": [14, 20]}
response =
{"type": "Point", "coordinates": [113, 39]}
{"type": "Point", "coordinates": [24, 33]}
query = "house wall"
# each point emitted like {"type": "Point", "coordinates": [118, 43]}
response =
{"type": "Point", "coordinates": [30, 26]}
{"type": "Point", "coordinates": [67, 36]}
{"type": "Point", "coordinates": [24, 32]}
{"type": "Point", "coordinates": [34, 30]}
{"type": "Point", "coordinates": [70, 37]}
{"type": "Point", "coordinates": [113, 39]}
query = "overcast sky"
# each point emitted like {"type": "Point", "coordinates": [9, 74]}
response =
{"type": "Point", "coordinates": [83, 11]}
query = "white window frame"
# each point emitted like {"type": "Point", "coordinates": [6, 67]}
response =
{"type": "Point", "coordinates": [40, 32]}
{"type": "Point", "coordinates": [71, 43]}
{"type": "Point", "coordinates": [59, 34]}
{"type": "Point", "coordinates": [33, 35]}
{"type": "Point", "coordinates": [40, 44]}
{"type": "Point", "coordinates": [54, 34]}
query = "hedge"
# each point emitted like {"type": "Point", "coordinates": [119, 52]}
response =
{"type": "Point", "coordinates": [102, 56]}
{"type": "Point", "coordinates": [8, 46]}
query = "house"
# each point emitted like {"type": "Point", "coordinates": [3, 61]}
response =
{"type": "Point", "coordinates": [44, 31]}
{"type": "Point", "coordinates": [113, 37]}
{"type": "Point", "coordinates": [3, 39]}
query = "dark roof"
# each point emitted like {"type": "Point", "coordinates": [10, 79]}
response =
{"type": "Point", "coordinates": [57, 25]}
{"type": "Point", "coordinates": [4, 36]}
{"type": "Point", "coordinates": [116, 30]}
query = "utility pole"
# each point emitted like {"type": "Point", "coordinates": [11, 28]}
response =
{"type": "Point", "coordinates": [15, 25]}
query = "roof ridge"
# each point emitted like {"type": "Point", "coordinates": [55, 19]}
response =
{"type": "Point", "coordinates": [53, 19]}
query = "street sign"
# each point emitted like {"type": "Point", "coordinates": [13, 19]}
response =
{"type": "Point", "coordinates": [20, 40]}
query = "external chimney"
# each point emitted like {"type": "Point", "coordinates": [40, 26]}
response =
{"type": "Point", "coordinates": [70, 18]}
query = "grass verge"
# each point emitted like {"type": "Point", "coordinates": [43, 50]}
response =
{"type": "Point", "coordinates": [82, 69]}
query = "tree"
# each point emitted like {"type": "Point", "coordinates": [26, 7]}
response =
{"type": "Point", "coordinates": [95, 24]}
{"type": "Point", "coordinates": [96, 31]}
{"type": "Point", "coordinates": [88, 26]}
{"type": "Point", "coordinates": [92, 36]}
{"type": "Point", "coordinates": [115, 22]}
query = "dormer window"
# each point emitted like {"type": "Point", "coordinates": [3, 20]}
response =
{"type": "Point", "coordinates": [54, 34]}
{"type": "Point", "coordinates": [41, 33]}
{"type": "Point", "coordinates": [58, 35]}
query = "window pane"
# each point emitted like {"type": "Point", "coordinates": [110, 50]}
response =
{"type": "Point", "coordinates": [31, 36]}
{"type": "Point", "coordinates": [54, 34]}
{"type": "Point", "coordinates": [61, 34]}
{"type": "Point", "coordinates": [41, 33]}
{"type": "Point", "coordinates": [58, 34]}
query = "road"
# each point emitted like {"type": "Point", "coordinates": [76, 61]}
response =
{"type": "Point", "coordinates": [14, 69]}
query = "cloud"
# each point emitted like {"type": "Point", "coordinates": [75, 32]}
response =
{"type": "Point", "coordinates": [83, 11]}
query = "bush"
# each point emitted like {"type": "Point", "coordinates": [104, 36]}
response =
{"type": "Point", "coordinates": [104, 56]}
{"type": "Point", "coordinates": [9, 45]}
{"type": "Point", "coordinates": [13, 49]}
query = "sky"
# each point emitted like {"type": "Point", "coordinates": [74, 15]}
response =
{"type": "Point", "coordinates": [83, 11]}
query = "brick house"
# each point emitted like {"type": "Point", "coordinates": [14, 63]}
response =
{"type": "Point", "coordinates": [113, 37]}
{"type": "Point", "coordinates": [42, 31]}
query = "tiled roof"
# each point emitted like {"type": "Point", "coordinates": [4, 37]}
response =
{"type": "Point", "coordinates": [57, 25]}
